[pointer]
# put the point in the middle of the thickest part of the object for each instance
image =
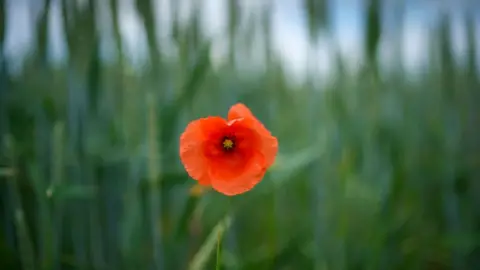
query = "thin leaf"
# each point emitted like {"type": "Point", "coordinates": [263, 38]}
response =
{"type": "Point", "coordinates": [201, 258]}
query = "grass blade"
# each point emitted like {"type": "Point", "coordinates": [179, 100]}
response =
{"type": "Point", "coordinates": [201, 258]}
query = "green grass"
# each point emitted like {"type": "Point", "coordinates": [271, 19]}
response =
{"type": "Point", "coordinates": [376, 170]}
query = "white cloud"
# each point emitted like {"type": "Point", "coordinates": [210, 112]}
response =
{"type": "Point", "coordinates": [290, 36]}
{"type": "Point", "coordinates": [132, 32]}
{"type": "Point", "coordinates": [19, 31]}
{"type": "Point", "coordinates": [415, 44]}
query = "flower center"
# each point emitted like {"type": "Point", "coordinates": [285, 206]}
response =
{"type": "Point", "coordinates": [228, 144]}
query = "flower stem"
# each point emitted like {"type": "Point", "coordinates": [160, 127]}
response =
{"type": "Point", "coordinates": [219, 243]}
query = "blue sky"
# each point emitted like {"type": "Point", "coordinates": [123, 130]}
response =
{"type": "Point", "coordinates": [290, 35]}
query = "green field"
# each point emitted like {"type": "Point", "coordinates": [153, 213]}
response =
{"type": "Point", "coordinates": [377, 168]}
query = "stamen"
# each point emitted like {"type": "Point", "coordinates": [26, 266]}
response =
{"type": "Point", "coordinates": [228, 143]}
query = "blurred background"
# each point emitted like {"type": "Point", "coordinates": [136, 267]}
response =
{"type": "Point", "coordinates": [375, 105]}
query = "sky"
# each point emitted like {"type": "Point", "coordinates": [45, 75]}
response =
{"type": "Point", "coordinates": [290, 37]}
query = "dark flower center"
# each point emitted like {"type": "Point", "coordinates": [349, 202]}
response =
{"type": "Point", "coordinates": [228, 143]}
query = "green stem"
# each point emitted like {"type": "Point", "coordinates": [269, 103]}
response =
{"type": "Point", "coordinates": [201, 258]}
{"type": "Point", "coordinates": [219, 243]}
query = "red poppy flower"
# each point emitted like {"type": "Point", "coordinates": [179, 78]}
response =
{"type": "Point", "coordinates": [231, 155]}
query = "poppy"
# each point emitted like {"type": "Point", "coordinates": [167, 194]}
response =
{"type": "Point", "coordinates": [230, 155]}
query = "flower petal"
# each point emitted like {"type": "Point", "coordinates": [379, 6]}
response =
{"type": "Point", "coordinates": [269, 147]}
{"type": "Point", "coordinates": [238, 111]}
{"type": "Point", "coordinates": [229, 166]}
{"type": "Point", "coordinates": [192, 141]}
{"type": "Point", "coordinates": [243, 182]}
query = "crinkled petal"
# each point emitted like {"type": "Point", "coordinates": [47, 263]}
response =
{"type": "Point", "coordinates": [192, 141]}
{"type": "Point", "coordinates": [238, 111]}
{"type": "Point", "coordinates": [269, 148]}
{"type": "Point", "coordinates": [243, 182]}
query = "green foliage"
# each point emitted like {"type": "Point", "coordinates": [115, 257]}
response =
{"type": "Point", "coordinates": [375, 170]}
